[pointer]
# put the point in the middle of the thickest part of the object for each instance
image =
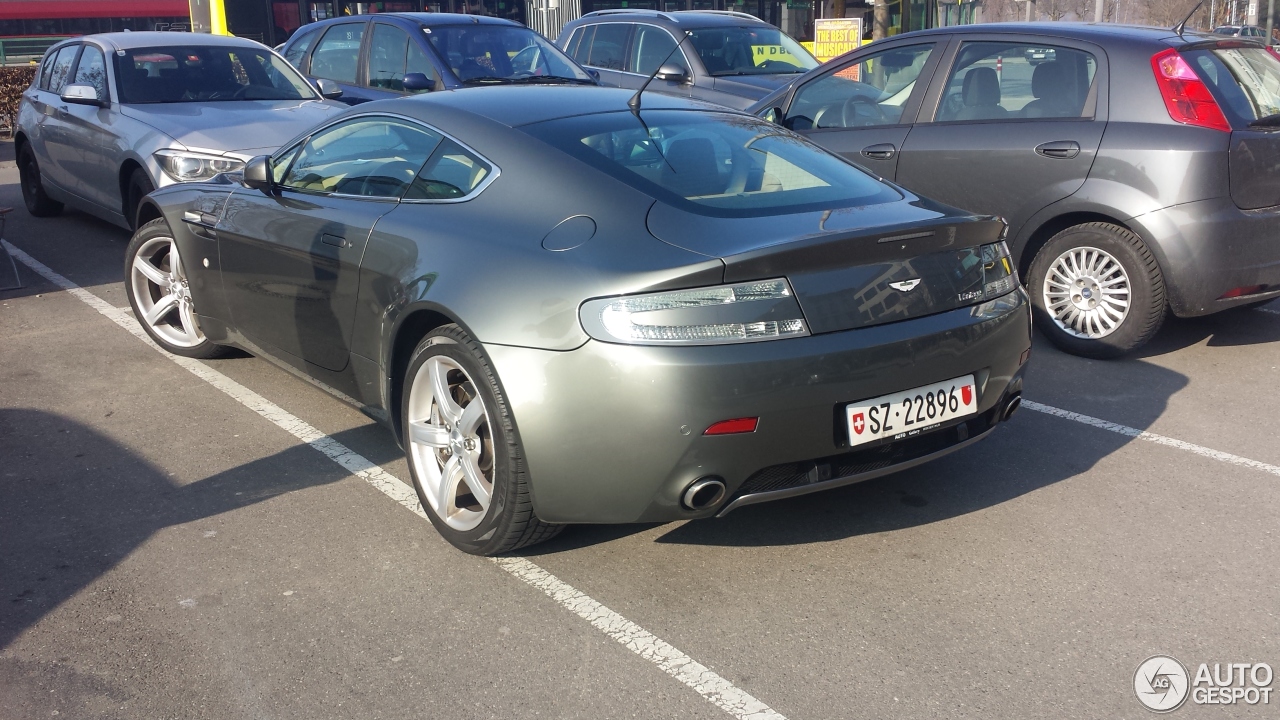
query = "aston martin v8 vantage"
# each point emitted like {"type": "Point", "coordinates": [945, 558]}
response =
{"type": "Point", "coordinates": [570, 311]}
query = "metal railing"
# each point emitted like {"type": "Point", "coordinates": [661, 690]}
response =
{"type": "Point", "coordinates": [25, 50]}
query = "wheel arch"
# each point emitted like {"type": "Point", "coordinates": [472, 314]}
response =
{"type": "Point", "coordinates": [409, 330]}
{"type": "Point", "coordinates": [19, 141]}
{"type": "Point", "coordinates": [1041, 234]}
{"type": "Point", "coordinates": [148, 210]}
{"type": "Point", "coordinates": [127, 169]}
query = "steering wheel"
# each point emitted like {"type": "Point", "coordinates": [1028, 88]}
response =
{"type": "Point", "coordinates": [848, 118]}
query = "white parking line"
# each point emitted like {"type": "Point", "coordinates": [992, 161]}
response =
{"type": "Point", "coordinates": [1151, 437]}
{"type": "Point", "coordinates": [1268, 310]}
{"type": "Point", "coordinates": [704, 681]}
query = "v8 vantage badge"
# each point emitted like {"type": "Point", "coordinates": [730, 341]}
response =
{"type": "Point", "coordinates": [1162, 684]}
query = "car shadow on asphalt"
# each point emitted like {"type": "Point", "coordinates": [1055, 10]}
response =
{"type": "Point", "coordinates": [75, 503]}
{"type": "Point", "coordinates": [1239, 326]}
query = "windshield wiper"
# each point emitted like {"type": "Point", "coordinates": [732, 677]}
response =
{"type": "Point", "coordinates": [541, 79]}
{"type": "Point", "coordinates": [487, 79]}
{"type": "Point", "coordinates": [1268, 122]}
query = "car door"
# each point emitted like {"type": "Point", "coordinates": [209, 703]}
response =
{"type": "Point", "coordinates": [337, 57]}
{"type": "Point", "coordinates": [89, 132]}
{"type": "Point", "coordinates": [603, 48]}
{"type": "Point", "coordinates": [51, 142]}
{"type": "Point", "coordinates": [391, 56]}
{"type": "Point", "coordinates": [862, 108]}
{"type": "Point", "coordinates": [1001, 136]}
{"type": "Point", "coordinates": [290, 258]}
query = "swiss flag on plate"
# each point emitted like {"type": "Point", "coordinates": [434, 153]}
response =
{"type": "Point", "coordinates": [966, 394]}
{"type": "Point", "coordinates": [858, 424]}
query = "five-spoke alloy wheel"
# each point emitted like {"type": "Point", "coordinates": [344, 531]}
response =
{"type": "Point", "coordinates": [1097, 290]}
{"type": "Point", "coordinates": [160, 293]}
{"type": "Point", "coordinates": [464, 453]}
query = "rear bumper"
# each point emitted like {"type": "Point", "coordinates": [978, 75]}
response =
{"type": "Point", "coordinates": [1209, 247]}
{"type": "Point", "coordinates": [613, 433]}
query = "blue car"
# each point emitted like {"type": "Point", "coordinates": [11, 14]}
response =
{"type": "Point", "coordinates": [372, 57]}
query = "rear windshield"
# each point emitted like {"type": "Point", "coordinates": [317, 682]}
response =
{"type": "Point", "coordinates": [175, 74]}
{"type": "Point", "coordinates": [1246, 80]}
{"type": "Point", "coordinates": [714, 163]}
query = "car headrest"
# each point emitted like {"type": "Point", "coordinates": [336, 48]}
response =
{"type": "Point", "coordinates": [1052, 80]}
{"type": "Point", "coordinates": [981, 87]}
{"type": "Point", "coordinates": [691, 168]}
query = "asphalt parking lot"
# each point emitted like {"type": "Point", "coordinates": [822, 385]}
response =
{"type": "Point", "coordinates": [178, 541]}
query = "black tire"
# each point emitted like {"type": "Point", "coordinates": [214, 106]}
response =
{"type": "Point", "coordinates": [140, 186]}
{"type": "Point", "coordinates": [1147, 304]}
{"type": "Point", "coordinates": [154, 233]}
{"type": "Point", "coordinates": [33, 196]}
{"type": "Point", "coordinates": [509, 522]}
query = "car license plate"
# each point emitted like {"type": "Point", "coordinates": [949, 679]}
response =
{"type": "Point", "coordinates": [911, 412]}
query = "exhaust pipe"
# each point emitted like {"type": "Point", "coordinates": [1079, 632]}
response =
{"type": "Point", "coordinates": [703, 493]}
{"type": "Point", "coordinates": [1012, 406]}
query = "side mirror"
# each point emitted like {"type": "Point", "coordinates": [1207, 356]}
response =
{"type": "Point", "coordinates": [773, 115]}
{"type": "Point", "coordinates": [257, 174]}
{"type": "Point", "coordinates": [81, 94]}
{"type": "Point", "coordinates": [417, 82]}
{"type": "Point", "coordinates": [595, 74]}
{"type": "Point", "coordinates": [328, 89]}
{"type": "Point", "coordinates": [672, 73]}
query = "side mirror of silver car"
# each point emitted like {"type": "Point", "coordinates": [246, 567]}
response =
{"type": "Point", "coordinates": [672, 72]}
{"type": "Point", "coordinates": [328, 89]}
{"type": "Point", "coordinates": [257, 173]}
{"type": "Point", "coordinates": [81, 94]}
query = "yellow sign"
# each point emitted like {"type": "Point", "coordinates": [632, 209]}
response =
{"type": "Point", "coordinates": [764, 53]}
{"type": "Point", "coordinates": [833, 37]}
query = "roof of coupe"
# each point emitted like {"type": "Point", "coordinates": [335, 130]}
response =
{"type": "Point", "coordinates": [524, 105]}
{"type": "Point", "coordinates": [131, 40]}
{"type": "Point", "coordinates": [1098, 32]}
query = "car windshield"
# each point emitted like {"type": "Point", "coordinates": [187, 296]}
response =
{"type": "Point", "coordinates": [750, 51]}
{"type": "Point", "coordinates": [204, 73]}
{"type": "Point", "coordinates": [1246, 79]}
{"type": "Point", "coordinates": [502, 54]}
{"type": "Point", "coordinates": [713, 163]}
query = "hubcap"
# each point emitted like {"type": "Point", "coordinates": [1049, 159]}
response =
{"type": "Point", "coordinates": [1087, 293]}
{"type": "Point", "coordinates": [163, 293]}
{"type": "Point", "coordinates": [450, 443]}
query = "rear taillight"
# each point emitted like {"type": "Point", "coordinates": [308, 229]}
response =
{"type": "Point", "coordinates": [1185, 95]}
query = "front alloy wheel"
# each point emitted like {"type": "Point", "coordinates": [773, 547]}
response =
{"type": "Point", "coordinates": [160, 293]}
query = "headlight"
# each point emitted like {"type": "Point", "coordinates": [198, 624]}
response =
{"type": "Point", "coordinates": [745, 312]}
{"type": "Point", "coordinates": [185, 166]}
{"type": "Point", "coordinates": [998, 275]}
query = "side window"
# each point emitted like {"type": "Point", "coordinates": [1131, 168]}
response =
{"type": "Point", "coordinates": [387, 51]}
{"type": "Point", "coordinates": [651, 46]}
{"type": "Point", "coordinates": [338, 54]}
{"type": "Point", "coordinates": [608, 46]}
{"type": "Point", "coordinates": [298, 48]}
{"type": "Point", "coordinates": [61, 68]}
{"type": "Point", "coordinates": [998, 81]}
{"type": "Point", "coordinates": [419, 62]}
{"type": "Point", "coordinates": [280, 163]}
{"type": "Point", "coordinates": [872, 91]}
{"type": "Point", "coordinates": [571, 45]}
{"type": "Point", "coordinates": [368, 156]}
{"type": "Point", "coordinates": [583, 37]}
{"type": "Point", "coordinates": [450, 174]}
{"type": "Point", "coordinates": [92, 70]}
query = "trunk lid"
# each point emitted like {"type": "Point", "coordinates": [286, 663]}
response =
{"type": "Point", "coordinates": [852, 267]}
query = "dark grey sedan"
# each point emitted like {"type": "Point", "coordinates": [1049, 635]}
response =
{"type": "Point", "coordinates": [596, 315]}
{"type": "Point", "coordinates": [1139, 170]}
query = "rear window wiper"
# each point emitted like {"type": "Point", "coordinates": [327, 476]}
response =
{"type": "Point", "coordinates": [1268, 122]}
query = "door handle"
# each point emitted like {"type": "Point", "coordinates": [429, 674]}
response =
{"type": "Point", "coordinates": [1061, 149]}
{"type": "Point", "coordinates": [333, 240]}
{"type": "Point", "coordinates": [883, 151]}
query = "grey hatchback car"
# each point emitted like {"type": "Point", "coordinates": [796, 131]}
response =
{"type": "Point", "coordinates": [728, 58]}
{"type": "Point", "coordinates": [111, 117]}
{"type": "Point", "coordinates": [1139, 169]}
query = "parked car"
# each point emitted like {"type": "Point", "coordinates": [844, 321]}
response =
{"type": "Point", "coordinates": [1035, 56]}
{"type": "Point", "coordinates": [373, 57]}
{"type": "Point", "coordinates": [1240, 31]}
{"type": "Point", "coordinates": [1137, 169]}
{"type": "Point", "coordinates": [108, 118]}
{"type": "Point", "coordinates": [725, 57]}
{"type": "Point", "coordinates": [570, 312]}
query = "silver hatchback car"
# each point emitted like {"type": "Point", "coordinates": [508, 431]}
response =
{"type": "Point", "coordinates": [111, 117]}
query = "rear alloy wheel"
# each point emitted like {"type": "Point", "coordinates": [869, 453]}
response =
{"type": "Point", "coordinates": [1098, 291]}
{"type": "Point", "coordinates": [38, 203]}
{"type": "Point", "coordinates": [464, 457]}
{"type": "Point", "coordinates": [160, 293]}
